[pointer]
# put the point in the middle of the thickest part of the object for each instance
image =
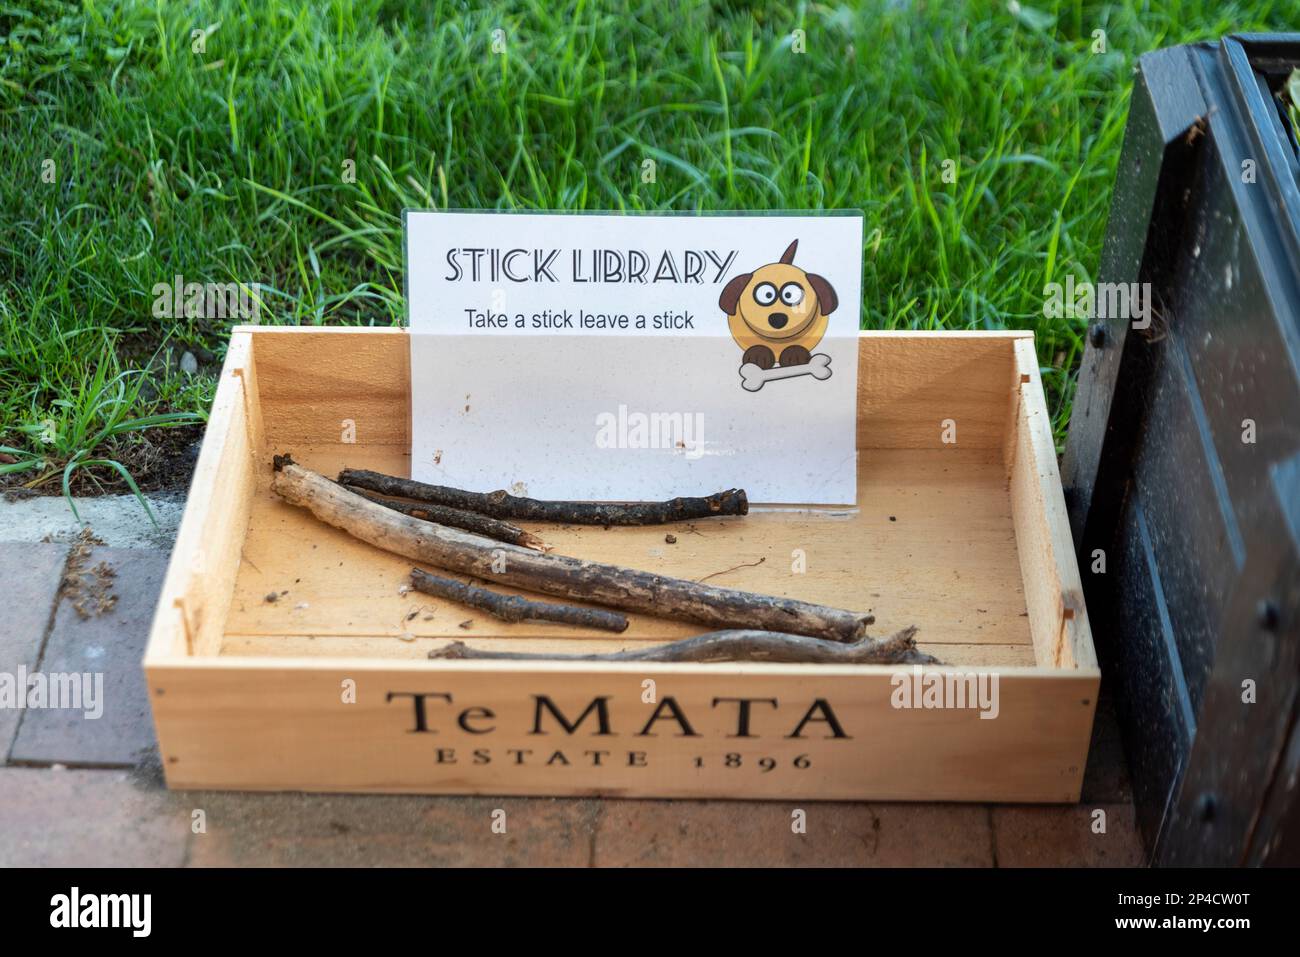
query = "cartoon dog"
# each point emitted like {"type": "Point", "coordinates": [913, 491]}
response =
{"type": "Point", "coordinates": [777, 313]}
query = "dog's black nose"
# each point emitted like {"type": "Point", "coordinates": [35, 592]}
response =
{"type": "Point", "coordinates": [777, 320]}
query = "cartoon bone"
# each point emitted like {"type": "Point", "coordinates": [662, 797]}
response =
{"type": "Point", "coordinates": [754, 377]}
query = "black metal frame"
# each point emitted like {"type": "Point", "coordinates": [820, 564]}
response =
{"type": "Point", "coordinates": [1200, 530]}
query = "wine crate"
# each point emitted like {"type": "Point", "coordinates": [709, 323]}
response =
{"type": "Point", "coordinates": [960, 529]}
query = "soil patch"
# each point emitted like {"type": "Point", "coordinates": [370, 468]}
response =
{"type": "Point", "coordinates": [158, 459]}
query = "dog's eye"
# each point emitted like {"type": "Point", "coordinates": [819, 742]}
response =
{"type": "Point", "coordinates": [765, 294]}
{"type": "Point", "coordinates": [792, 294]}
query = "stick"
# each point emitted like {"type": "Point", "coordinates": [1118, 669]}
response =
{"type": "Point", "coordinates": [515, 607]}
{"type": "Point", "coordinates": [456, 518]}
{"type": "Point", "coordinates": [770, 646]}
{"type": "Point", "coordinates": [611, 585]}
{"type": "Point", "coordinates": [501, 504]}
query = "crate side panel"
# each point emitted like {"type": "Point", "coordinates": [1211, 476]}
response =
{"type": "Point", "coordinates": [334, 386]}
{"type": "Point", "coordinates": [588, 732]}
{"type": "Point", "coordinates": [205, 559]}
{"type": "Point", "coordinates": [1058, 616]}
{"type": "Point", "coordinates": [908, 386]}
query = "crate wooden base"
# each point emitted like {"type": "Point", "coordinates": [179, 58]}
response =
{"type": "Point", "coordinates": [317, 689]}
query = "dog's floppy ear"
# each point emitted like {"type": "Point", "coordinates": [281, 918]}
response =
{"type": "Point", "coordinates": [827, 301]}
{"type": "Point", "coordinates": [731, 292]}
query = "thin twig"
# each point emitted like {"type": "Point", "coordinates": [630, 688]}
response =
{"type": "Point", "coordinates": [458, 518]}
{"type": "Point", "coordinates": [501, 504]}
{"type": "Point", "coordinates": [740, 645]}
{"type": "Point", "coordinates": [515, 607]}
{"type": "Point", "coordinates": [733, 568]}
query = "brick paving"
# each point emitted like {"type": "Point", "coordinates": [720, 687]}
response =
{"type": "Point", "coordinates": [90, 792]}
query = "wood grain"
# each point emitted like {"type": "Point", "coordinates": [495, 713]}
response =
{"type": "Point", "coordinates": [199, 585]}
{"type": "Point", "coordinates": [314, 380]}
{"type": "Point", "coordinates": [280, 725]}
{"type": "Point", "coordinates": [947, 563]}
{"type": "Point", "coordinates": [966, 541]}
{"type": "Point", "coordinates": [1053, 591]}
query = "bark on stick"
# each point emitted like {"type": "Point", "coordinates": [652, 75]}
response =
{"type": "Point", "coordinates": [501, 504]}
{"type": "Point", "coordinates": [740, 645]}
{"type": "Point", "coordinates": [611, 585]}
{"type": "Point", "coordinates": [458, 518]}
{"type": "Point", "coordinates": [515, 607]}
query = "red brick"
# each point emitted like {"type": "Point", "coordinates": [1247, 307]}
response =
{"type": "Point", "coordinates": [322, 830]}
{"type": "Point", "coordinates": [758, 834]}
{"type": "Point", "coordinates": [1054, 836]}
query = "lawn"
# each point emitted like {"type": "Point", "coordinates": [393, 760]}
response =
{"type": "Point", "coordinates": [274, 146]}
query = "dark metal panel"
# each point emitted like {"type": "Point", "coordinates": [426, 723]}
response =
{"type": "Point", "coordinates": [1147, 697]}
{"type": "Point", "coordinates": [1240, 743]}
{"type": "Point", "coordinates": [1202, 527]}
{"type": "Point", "coordinates": [1243, 361]}
{"type": "Point", "coordinates": [1166, 103]}
{"type": "Point", "coordinates": [1197, 560]}
{"type": "Point", "coordinates": [1278, 829]}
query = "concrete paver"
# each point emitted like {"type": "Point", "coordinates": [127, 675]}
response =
{"type": "Point", "coordinates": [88, 818]}
{"type": "Point", "coordinates": [30, 575]}
{"type": "Point", "coordinates": [109, 648]}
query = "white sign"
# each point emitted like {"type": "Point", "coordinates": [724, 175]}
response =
{"type": "Point", "coordinates": [632, 358]}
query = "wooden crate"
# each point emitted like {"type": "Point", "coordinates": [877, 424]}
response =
{"type": "Point", "coordinates": [317, 690]}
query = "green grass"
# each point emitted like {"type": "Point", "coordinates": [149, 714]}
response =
{"type": "Point", "coordinates": [1292, 93]}
{"type": "Point", "coordinates": [227, 164]}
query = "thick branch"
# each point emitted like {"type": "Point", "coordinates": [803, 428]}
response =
{"type": "Point", "coordinates": [610, 585]}
{"type": "Point", "coordinates": [768, 646]}
{"type": "Point", "coordinates": [458, 518]}
{"type": "Point", "coordinates": [515, 607]}
{"type": "Point", "coordinates": [501, 504]}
